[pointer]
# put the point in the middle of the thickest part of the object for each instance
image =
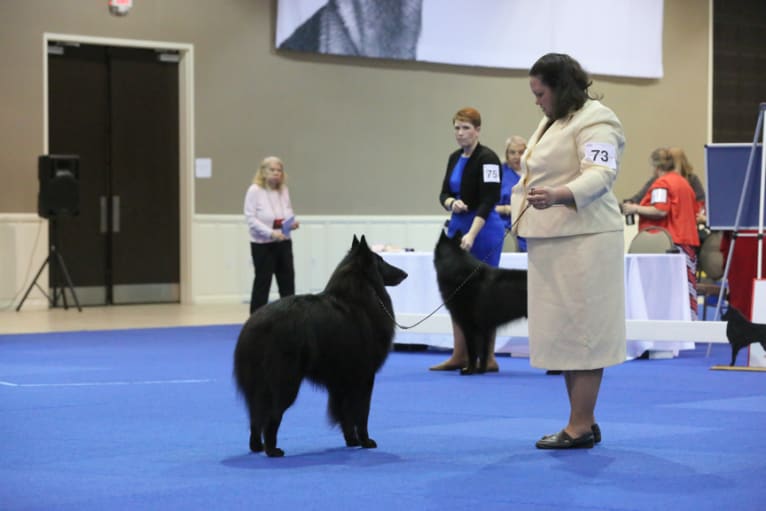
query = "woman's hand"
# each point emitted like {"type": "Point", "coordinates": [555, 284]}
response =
{"type": "Point", "coordinates": [466, 242]}
{"type": "Point", "coordinates": [547, 196]}
{"type": "Point", "coordinates": [629, 208]}
{"type": "Point", "coordinates": [278, 235]}
{"type": "Point", "coordinates": [458, 206]}
{"type": "Point", "coordinates": [541, 198]}
{"type": "Point", "coordinates": [295, 225]}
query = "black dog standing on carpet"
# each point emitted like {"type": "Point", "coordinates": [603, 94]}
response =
{"type": "Point", "coordinates": [338, 339]}
{"type": "Point", "coordinates": [742, 332]}
{"type": "Point", "coordinates": [480, 298]}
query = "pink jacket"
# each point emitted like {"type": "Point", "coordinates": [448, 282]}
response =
{"type": "Point", "coordinates": [262, 207]}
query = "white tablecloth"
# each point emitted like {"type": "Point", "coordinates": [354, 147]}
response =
{"type": "Point", "coordinates": [656, 288]}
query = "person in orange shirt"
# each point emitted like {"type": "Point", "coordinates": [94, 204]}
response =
{"type": "Point", "coordinates": [683, 167]}
{"type": "Point", "coordinates": [671, 203]}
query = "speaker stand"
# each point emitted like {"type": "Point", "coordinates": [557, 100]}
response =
{"type": "Point", "coordinates": [57, 258]}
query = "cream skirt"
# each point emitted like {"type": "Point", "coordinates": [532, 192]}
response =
{"type": "Point", "coordinates": [577, 301]}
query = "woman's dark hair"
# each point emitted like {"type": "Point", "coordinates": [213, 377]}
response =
{"type": "Point", "coordinates": [566, 78]}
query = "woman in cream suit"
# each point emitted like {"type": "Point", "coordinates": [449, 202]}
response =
{"type": "Point", "coordinates": [573, 228]}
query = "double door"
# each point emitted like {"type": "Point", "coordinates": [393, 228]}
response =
{"type": "Point", "coordinates": [118, 109]}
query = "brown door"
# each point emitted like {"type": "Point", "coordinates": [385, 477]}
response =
{"type": "Point", "coordinates": [117, 108]}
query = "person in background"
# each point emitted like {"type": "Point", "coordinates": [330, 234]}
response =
{"type": "Point", "coordinates": [684, 168]}
{"type": "Point", "coordinates": [670, 203]}
{"type": "Point", "coordinates": [470, 190]}
{"type": "Point", "coordinates": [270, 219]}
{"type": "Point", "coordinates": [574, 234]}
{"type": "Point", "coordinates": [514, 148]}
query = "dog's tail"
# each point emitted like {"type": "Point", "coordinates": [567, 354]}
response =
{"type": "Point", "coordinates": [244, 360]}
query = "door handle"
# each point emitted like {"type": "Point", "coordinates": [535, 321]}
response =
{"type": "Point", "coordinates": [102, 218]}
{"type": "Point", "coordinates": [115, 213]}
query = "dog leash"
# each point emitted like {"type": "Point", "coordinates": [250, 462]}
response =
{"type": "Point", "coordinates": [462, 284]}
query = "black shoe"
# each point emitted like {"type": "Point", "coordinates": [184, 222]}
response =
{"type": "Point", "coordinates": [596, 433]}
{"type": "Point", "coordinates": [562, 440]}
{"type": "Point", "coordinates": [553, 371]}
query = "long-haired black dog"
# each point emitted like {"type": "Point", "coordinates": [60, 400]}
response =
{"type": "Point", "coordinates": [338, 339]}
{"type": "Point", "coordinates": [479, 297]}
{"type": "Point", "coordinates": [742, 332]}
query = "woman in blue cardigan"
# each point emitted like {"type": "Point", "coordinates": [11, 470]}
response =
{"type": "Point", "coordinates": [470, 190]}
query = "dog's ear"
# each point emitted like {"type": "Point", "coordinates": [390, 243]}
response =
{"type": "Point", "coordinates": [363, 243]}
{"type": "Point", "coordinates": [354, 242]}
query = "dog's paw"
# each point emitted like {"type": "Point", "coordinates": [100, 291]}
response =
{"type": "Point", "coordinates": [467, 371]}
{"type": "Point", "coordinates": [275, 452]}
{"type": "Point", "coordinates": [352, 442]}
{"type": "Point", "coordinates": [256, 445]}
{"type": "Point", "coordinates": [369, 444]}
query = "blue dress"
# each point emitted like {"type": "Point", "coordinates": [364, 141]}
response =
{"type": "Point", "coordinates": [489, 242]}
{"type": "Point", "coordinates": [510, 178]}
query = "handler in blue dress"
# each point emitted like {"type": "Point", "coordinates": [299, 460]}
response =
{"type": "Point", "coordinates": [470, 191]}
{"type": "Point", "coordinates": [514, 148]}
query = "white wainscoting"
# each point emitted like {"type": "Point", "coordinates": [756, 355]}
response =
{"type": "Point", "coordinates": [223, 272]}
{"type": "Point", "coordinates": [220, 257]}
{"type": "Point", "coordinates": [23, 249]}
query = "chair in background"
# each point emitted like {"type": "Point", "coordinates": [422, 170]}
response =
{"type": "Point", "coordinates": [652, 240]}
{"type": "Point", "coordinates": [710, 268]}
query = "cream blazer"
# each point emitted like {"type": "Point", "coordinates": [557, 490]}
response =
{"type": "Point", "coordinates": [582, 152]}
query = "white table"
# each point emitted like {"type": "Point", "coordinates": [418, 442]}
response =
{"type": "Point", "coordinates": [656, 288]}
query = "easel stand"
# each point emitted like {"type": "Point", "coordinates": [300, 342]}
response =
{"type": "Point", "coordinates": [56, 261]}
{"type": "Point", "coordinates": [747, 184]}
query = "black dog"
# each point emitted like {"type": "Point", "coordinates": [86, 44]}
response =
{"type": "Point", "coordinates": [479, 297]}
{"type": "Point", "coordinates": [337, 339]}
{"type": "Point", "coordinates": [742, 332]}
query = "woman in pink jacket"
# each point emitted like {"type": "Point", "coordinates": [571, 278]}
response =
{"type": "Point", "coordinates": [270, 219]}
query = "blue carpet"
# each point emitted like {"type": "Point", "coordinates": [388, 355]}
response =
{"type": "Point", "coordinates": [150, 419]}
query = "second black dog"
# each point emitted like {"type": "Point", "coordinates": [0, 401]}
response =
{"type": "Point", "coordinates": [741, 332]}
{"type": "Point", "coordinates": [480, 298]}
{"type": "Point", "coordinates": [338, 339]}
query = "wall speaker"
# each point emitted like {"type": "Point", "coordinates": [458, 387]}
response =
{"type": "Point", "coordinates": [59, 193]}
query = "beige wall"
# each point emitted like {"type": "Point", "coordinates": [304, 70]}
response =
{"type": "Point", "coordinates": [358, 136]}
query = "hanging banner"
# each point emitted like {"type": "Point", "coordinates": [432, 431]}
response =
{"type": "Point", "coordinates": [608, 37]}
